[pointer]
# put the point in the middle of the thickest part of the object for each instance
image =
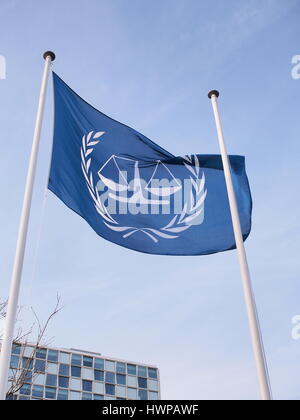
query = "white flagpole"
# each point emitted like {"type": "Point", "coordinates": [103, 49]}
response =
{"type": "Point", "coordinates": [257, 343]}
{"type": "Point", "coordinates": [22, 234]}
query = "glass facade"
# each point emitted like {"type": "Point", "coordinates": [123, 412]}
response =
{"type": "Point", "coordinates": [54, 374]}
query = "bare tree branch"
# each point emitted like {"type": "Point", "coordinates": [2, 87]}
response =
{"type": "Point", "coordinates": [21, 375]}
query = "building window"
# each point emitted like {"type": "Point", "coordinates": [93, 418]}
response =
{"type": "Point", "coordinates": [38, 391]}
{"type": "Point", "coordinates": [76, 371]}
{"type": "Point", "coordinates": [16, 348]}
{"type": "Point", "coordinates": [29, 351]}
{"type": "Point", "coordinates": [27, 363]}
{"type": "Point", "coordinates": [87, 386]}
{"type": "Point", "coordinates": [110, 365]}
{"type": "Point", "coordinates": [25, 389]}
{"type": "Point", "coordinates": [131, 369]}
{"type": "Point", "coordinates": [142, 382]}
{"type": "Point", "coordinates": [87, 361]}
{"type": "Point", "coordinates": [51, 380]}
{"type": "Point", "coordinates": [153, 385]}
{"type": "Point", "coordinates": [41, 353]}
{"type": "Point", "coordinates": [121, 379]}
{"type": "Point", "coordinates": [86, 373]}
{"type": "Point", "coordinates": [63, 382]}
{"type": "Point", "coordinates": [50, 393]}
{"type": "Point", "coordinates": [98, 397]}
{"type": "Point", "coordinates": [153, 395]}
{"type": "Point", "coordinates": [142, 371]}
{"type": "Point", "coordinates": [27, 375]}
{"type": "Point", "coordinates": [62, 394]}
{"type": "Point", "coordinates": [152, 373]}
{"type": "Point", "coordinates": [98, 375]}
{"type": "Point", "coordinates": [121, 367]}
{"type": "Point", "coordinates": [110, 377]}
{"type": "Point", "coordinates": [132, 381]}
{"type": "Point", "coordinates": [99, 364]}
{"type": "Point", "coordinates": [131, 393]}
{"type": "Point", "coordinates": [98, 388]}
{"type": "Point", "coordinates": [39, 379]}
{"type": "Point", "coordinates": [64, 369]}
{"type": "Point", "coordinates": [143, 395]}
{"type": "Point", "coordinates": [86, 396]}
{"type": "Point", "coordinates": [121, 391]}
{"type": "Point", "coordinates": [76, 359]}
{"type": "Point", "coordinates": [64, 357]}
{"type": "Point", "coordinates": [14, 362]}
{"type": "Point", "coordinates": [39, 365]}
{"type": "Point", "coordinates": [11, 397]}
{"type": "Point", "coordinates": [109, 389]}
{"type": "Point", "coordinates": [74, 395]}
{"type": "Point", "coordinates": [52, 368]}
{"type": "Point", "coordinates": [53, 355]}
{"type": "Point", "coordinates": [75, 384]}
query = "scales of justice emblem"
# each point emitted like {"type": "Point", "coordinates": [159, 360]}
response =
{"type": "Point", "coordinates": [113, 175]}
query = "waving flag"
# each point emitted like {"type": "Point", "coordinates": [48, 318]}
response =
{"type": "Point", "coordinates": [136, 194]}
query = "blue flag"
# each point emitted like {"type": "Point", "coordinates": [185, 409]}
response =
{"type": "Point", "coordinates": [136, 194]}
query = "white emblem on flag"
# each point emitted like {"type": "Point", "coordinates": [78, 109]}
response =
{"type": "Point", "coordinates": [192, 208]}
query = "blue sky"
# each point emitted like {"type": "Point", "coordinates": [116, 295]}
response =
{"type": "Point", "coordinates": [150, 65]}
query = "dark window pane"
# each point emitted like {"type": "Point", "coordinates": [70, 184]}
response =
{"type": "Point", "coordinates": [76, 371]}
{"type": "Point", "coordinates": [143, 395]}
{"type": "Point", "coordinates": [98, 375]}
{"type": "Point", "coordinates": [25, 389]}
{"type": "Point", "coordinates": [16, 348]}
{"type": "Point", "coordinates": [87, 386]}
{"type": "Point", "coordinates": [98, 397]}
{"type": "Point", "coordinates": [63, 382]}
{"type": "Point", "coordinates": [64, 369]}
{"type": "Point", "coordinates": [62, 394]}
{"type": "Point", "coordinates": [50, 393]}
{"type": "Point", "coordinates": [99, 364]}
{"type": "Point", "coordinates": [14, 362]}
{"type": "Point", "coordinates": [110, 377]}
{"type": "Point", "coordinates": [142, 371]}
{"type": "Point", "coordinates": [11, 397]}
{"type": "Point", "coordinates": [152, 373]}
{"type": "Point", "coordinates": [37, 391]}
{"type": "Point", "coordinates": [26, 375]}
{"type": "Point", "coordinates": [41, 353]}
{"type": "Point", "coordinates": [121, 379]}
{"type": "Point", "coordinates": [110, 389]}
{"type": "Point", "coordinates": [39, 366]}
{"type": "Point", "coordinates": [21, 397]}
{"type": "Point", "coordinates": [51, 380]}
{"type": "Point", "coordinates": [76, 359]}
{"type": "Point", "coordinates": [86, 396]}
{"type": "Point", "coordinates": [27, 363]}
{"type": "Point", "coordinates": [121, 367]}
{"type": "Point", "coordinates": [87, 361]}
{"type": "Point", "coordinates": [53, 355]}
{"type": "Point", "coordinates": [142, 382]}
{"type": "Point", "coordinates": [131, 369]}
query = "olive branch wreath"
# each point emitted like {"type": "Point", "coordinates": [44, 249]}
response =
{"type": "Point", "coordinates": [179, 223]}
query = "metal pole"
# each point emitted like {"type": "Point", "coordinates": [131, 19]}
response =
{"type": "Point", "coordinates": [257, 343]}
{"type": "Point", "coordinates": [22, 234]}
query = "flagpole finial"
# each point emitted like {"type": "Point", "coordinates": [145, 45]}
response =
{"type": "Point", "coordinates": [49, 54]}
{"type": "Point", "coordinates": [213, 92]}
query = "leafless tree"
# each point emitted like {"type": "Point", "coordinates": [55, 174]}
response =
{"type": "Point", "coordinates": [26, 373]}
